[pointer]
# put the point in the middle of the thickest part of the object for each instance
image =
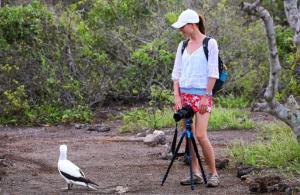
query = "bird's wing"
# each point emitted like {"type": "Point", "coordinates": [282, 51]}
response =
{"type": "Point", "coordinates": [70, 168]}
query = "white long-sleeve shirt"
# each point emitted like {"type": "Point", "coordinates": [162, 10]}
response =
{"type": "Point", "coordinates": [193, 70]}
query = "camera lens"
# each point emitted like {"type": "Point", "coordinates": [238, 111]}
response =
{"type": "Point", "coordinates": [185, 112]}
{"type": "Point", "coordinates": [177, 116]}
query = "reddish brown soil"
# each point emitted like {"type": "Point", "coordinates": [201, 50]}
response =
{"type": "Point", "coordinates": [28, 162]}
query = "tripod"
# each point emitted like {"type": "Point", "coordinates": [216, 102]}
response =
{"type": "Point", "coordinates": [190, 141]}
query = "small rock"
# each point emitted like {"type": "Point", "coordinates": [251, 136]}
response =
{"type": "Point", "coordinates": [282, 187]}
{"type": "Point", "coordinates": [249, 179]}
{"type": "Point", "coordinates": [2, 174]}
{"type": "Point", "coordinates": [3, 163]}
{"type": "Point", "coordinates": [121, 189]}
{"type": "Point", "coordinates": [158, 137]}
{"type": "Point", "coordinates": [296, 189]}
{"type": "Point", "coordinates": [80, 126]}
{"type": "Point", "coordinates": [167, 156]}
{"type": "Point", "coordinates": [221, 164]}
{"type": "Point", "coordinates": [34, 174]}
{"type": "Point", "coordinates": [245, 177]}
{"type": "Point", "coordinates": [149, 131]}
{"type": "Point", "coordinates": [269, 180]}
{"type": "Point", "coordinates": [273, 188]}
{"type": "Point", "coordinates": [254, 187]}
{"type": "Point", "coordinates": [244, 170]}
{"type": "Point", "coordinates": [288, 191]}
{"type": "Point", "coordinates": [143, 134]}
{"type": "Point", "coordinates": [98, 128]}
{"type": "Point", "coordinates": [264, 184]}
{"type": "Point", "coordinates": [169, 132]}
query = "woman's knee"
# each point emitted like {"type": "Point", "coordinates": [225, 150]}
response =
{"type": "Point", "coordinates": [202, 138]}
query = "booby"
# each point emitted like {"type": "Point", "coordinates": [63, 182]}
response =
{"type": "Point", "coordinates": [70, 172]}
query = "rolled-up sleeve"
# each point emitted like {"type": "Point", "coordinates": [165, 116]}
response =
{"type": "Point", "coordinates": [177, 63]}
{"type": "Point", "coordinates": [213, 59]}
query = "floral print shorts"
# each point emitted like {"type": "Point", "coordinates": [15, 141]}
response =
{"type": "Point", "coordinates": [194, 101]}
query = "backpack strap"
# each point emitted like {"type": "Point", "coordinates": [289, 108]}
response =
{"type": "Point", "coordinates": [204, 43]}
{"type": "Point", "coordinates": [184, 45]}
{"type": "Point", "coordinates": [205, 46]}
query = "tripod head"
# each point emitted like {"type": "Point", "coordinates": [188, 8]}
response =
{"type": "Point", "coordinates": [188, 123]}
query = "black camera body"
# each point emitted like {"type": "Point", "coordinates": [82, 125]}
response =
{"type": "Point", "coordinates": [185, 112]}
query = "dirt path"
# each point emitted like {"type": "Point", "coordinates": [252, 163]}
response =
{"type": "Point", "coordinates": [28, 162]}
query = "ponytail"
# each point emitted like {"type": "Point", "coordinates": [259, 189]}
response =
{"type": "Point", "coordinates": [201, 24]}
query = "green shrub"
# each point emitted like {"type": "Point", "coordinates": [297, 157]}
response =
{"type": "Point", "coordinates": [225, 118]}
{"type": "Point", "coordinates": [142, 118]}
{"type": "Point", "coordinates": [53, 114]}
{"type": "Point", "coordinates": [232, 101]}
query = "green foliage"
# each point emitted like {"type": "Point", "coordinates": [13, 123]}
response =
{"type": "Point", "coordinates": [79, 113]}
{"type": "Point", "coordinates": [51, 114]}
{"type": "Point", "coordinates": [16, 100]}
{"type": "Point", "coordinates": [232, 101]}
{"type": "Point", "coordinates": [43, 65]}
{"type": "Point", "coordinates": [91, 52]}
{"type": "Point", "coordinates": [152, 61]}
{"type": "Point", "coordinates": [142, 118]}
{"type": "Point", "coordinates": [22, 24]}
{"type": "Point", "coordinates": [161, 96]}
{"type": "Point", "coordinates": [288, 59]}
{"type": "Point", "coordinates": [242, 45]}
{"type": "Point", "coordinates": [224, 118]}
{"type": "Point", "coordinates": [281, 150]}
{"type": "Point", "coordinates": [171, 17]}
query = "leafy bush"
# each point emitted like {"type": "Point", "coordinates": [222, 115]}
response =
{"type": "Point", "coordinates": [231, 101]}
{"type": "Point", "coordinates": [226, 118]}
{"type": "Point", "coordinates": [138, 119]}
{"type": "Point", "coordinates": [290, 77]}
{"type": "Point", "coordinates": [52, 114]}
{"type": "Point", "coordinates": [95, 52]}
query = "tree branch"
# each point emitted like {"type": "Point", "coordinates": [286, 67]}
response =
{"type": "Point", "coordinates": [290, 115]}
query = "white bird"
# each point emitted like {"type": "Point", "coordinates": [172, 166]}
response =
{"type": "Point", "coordinates": [70, 172]}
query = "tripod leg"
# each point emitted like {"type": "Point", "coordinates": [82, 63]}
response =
{"type": "Point", "coordinates": [186, 151]}
{"type": "Point", "coordinates": [199, 160]}
{"type": "Point", "coordinates": [174, 140]}
{"type": "Point", "coordinates": [173, 158]}
{"type": "Point", "coordinates": [189, 144]}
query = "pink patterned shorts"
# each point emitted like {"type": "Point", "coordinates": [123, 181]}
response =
{"type": "Point", "coordinates": [194, 101]}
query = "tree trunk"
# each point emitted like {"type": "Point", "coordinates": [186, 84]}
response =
{"type": "Point", "coordinates": [292, 13]}
{"type": "Point", "coordinates": [289, 114]}
{"type": "Point", "coordinates": [293, 16]}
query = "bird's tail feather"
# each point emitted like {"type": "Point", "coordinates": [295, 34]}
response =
{"type": "Point", "coordinates": [90, 182]}
{"type": "Point", "coordinates": [88, 185]}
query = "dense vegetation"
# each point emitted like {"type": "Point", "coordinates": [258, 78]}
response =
{"type": "Point", "coordinates": [59, 61]}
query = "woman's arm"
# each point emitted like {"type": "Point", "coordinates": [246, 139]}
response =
{"type": "Point", "coordinates": [177, 99]}
{"type": "Point", "coordinates": [176, 76]}
{"type": "Point", "coordinates": [213, 65]}
{"type": "Point", "coordinates": [210, 85]}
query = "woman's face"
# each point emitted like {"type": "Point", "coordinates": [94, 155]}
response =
{"type": "Point", "coordinates": [187, 30]}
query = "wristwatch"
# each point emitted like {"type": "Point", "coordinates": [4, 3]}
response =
{"type": "Point", "coordinates": [208, 93]}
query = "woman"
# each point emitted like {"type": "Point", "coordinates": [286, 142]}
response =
{"type": "Point", "coordinates": [193, 80]}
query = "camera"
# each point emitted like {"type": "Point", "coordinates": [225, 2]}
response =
{"type": "Point", "coordinates": [185, 112]}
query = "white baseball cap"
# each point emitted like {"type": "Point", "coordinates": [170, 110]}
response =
{"type": "Point", "coordinates": [187, 16]}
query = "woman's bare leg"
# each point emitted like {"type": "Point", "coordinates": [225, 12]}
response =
{"type": "Point", "coordinates": [200, 125]}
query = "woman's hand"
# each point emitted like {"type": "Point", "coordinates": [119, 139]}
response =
{"type": "Point", "coordinates": [203, 104]}
{"type": "Point", "coordinates": [177, 102]}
